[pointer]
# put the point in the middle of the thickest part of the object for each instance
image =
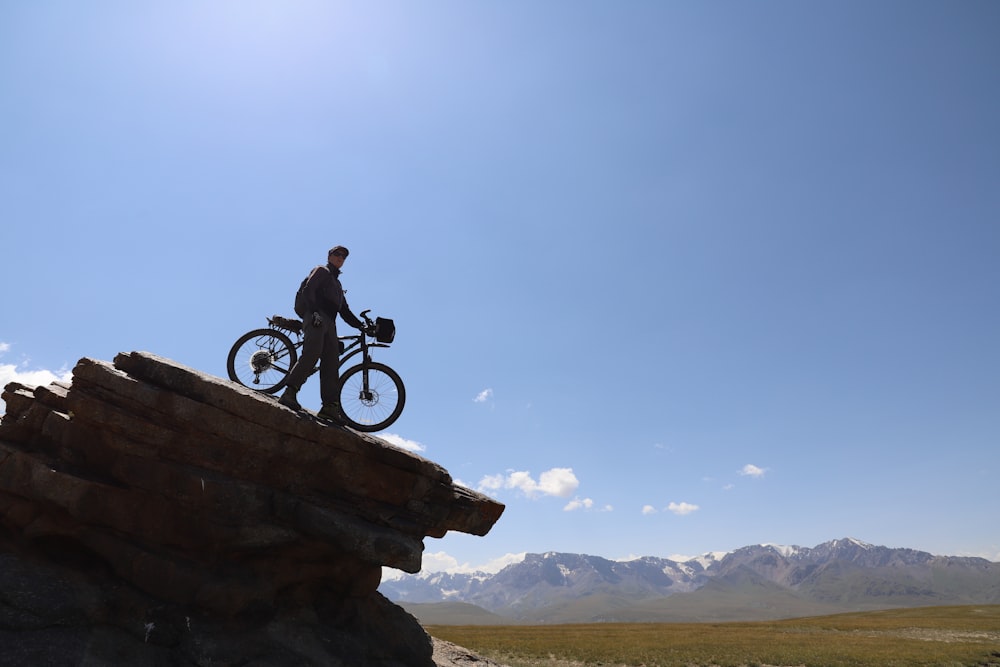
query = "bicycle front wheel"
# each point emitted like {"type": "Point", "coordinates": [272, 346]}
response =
{"type": "Point", "coordinates": [261, 359]}
{"type": "Point", "coordinates": [371, 396]}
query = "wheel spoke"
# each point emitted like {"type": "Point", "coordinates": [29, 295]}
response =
{"type": "Point", "coordinates": [377, 405]}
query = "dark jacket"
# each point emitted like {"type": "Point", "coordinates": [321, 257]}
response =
{"type": "Point", "coordinates": [324, 294]}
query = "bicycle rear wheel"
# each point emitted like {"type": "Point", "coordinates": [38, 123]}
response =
{"type": "Point", "coordinates": [371, 396]}
{"type": "Point", "coordinates": [261, 359]}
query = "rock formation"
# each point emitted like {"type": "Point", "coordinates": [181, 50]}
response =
{"type": "Point", "coordinates": [151, 514]}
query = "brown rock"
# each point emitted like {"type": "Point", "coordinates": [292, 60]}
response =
{"type": "Point", "coordinates": [447, 654]}
{"type": "Point", "coordinates": [195, 496]}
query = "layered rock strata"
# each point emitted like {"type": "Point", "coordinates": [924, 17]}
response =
{"type": "Point", "coordinates": [195, 496]}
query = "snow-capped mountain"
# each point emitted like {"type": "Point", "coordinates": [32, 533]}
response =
{"type": "Point", "coordinates": [841, 574]}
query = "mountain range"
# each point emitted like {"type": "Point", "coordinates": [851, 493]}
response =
{"type": "Point", "coordinates": [758, 582]}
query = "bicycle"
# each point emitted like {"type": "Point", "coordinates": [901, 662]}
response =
{"type": "Point", "coordinates": [372, 394]}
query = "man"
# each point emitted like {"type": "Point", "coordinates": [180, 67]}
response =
{"type": "Point", "coordinates": [319, 301]}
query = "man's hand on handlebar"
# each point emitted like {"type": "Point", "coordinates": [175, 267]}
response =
{"type": "Point", "coordinates": [369, 327]}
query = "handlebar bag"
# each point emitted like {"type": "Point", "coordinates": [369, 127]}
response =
{"type": "Point", "coordinates": [385, 330]}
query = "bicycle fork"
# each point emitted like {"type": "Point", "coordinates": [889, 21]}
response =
{"type": "Point", "coordinates": [366, 395]}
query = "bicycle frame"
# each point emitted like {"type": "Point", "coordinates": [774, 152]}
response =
{"type": "Point", "coordinates": [359, 346]}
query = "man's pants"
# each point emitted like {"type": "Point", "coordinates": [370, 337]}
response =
{"type": "Point", "coordinates": [319, 344]}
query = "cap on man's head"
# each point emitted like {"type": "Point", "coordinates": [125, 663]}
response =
{"type": "Point", "coordinates": [341, 249]}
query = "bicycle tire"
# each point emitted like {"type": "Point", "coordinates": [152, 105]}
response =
{"type": "Point", "coordinates": [260, 360]}
{"type": "Point", "coordinates": [381, 407]}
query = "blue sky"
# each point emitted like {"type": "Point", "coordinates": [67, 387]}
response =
{"type": "Point", "coordinates": [668, 277]}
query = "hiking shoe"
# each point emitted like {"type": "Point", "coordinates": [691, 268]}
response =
{"type": "Point", "coordinates": [331, 412]}
{"type": "Point", "coordinates": [288, 399]}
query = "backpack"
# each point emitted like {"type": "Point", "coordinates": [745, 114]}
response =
{"type": "Point", "coordinates": [301, 307]}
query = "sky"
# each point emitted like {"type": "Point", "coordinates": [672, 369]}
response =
{"type": "Point", "coordinates": [667, 277]}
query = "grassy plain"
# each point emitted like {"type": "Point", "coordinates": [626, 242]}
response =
{"type": "Point", "coordinates": [920, 637]}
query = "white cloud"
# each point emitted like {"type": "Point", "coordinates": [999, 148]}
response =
{"type": "Point", "coordinates": [498, 564]}
{"type": "Point", "coordinates": [443, 562]}
{"type": "Point", "coordinates": [680, 509]}
{"type": "Point", "coordinates": [402, 443]}
{"type": "Point", "coordinates": [578, 504]}
{"type": "Point", "coordinates": [522, 480]}
{"type": "Point", "coordinates": [29, 377]}
{"type": "Point", "coordinates": [438, 562]}
{"type": "Point", "coordinates": [392, 574]}
{"type": "Point", "coordinates": [558, 482]}
{"type": "Point", "coordinates": [491, 483]}
{"type": "Point", "coordinates": [484, 395]}
{"type": "Point", "coordinates": [750, 470]}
